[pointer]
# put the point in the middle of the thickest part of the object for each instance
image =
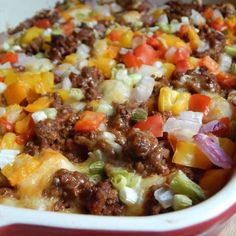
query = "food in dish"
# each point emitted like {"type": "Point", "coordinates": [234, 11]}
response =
{"type": "Point", "coordinates": [118, 108]}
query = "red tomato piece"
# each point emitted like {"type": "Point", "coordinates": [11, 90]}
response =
{"type": "Point", "coordinates": [115, 35]}
{"type": "Point", "coordinates": [182, 66]}
{"type": "Point", "coordinates": [89, 121]}
{"type": "Point", "coordinates": [154, 124]}
{"type": "Point", "coordinates": [43, 23]}
{"type": "Point", "coordinates": [183, 31]}
{"type": "Point", "coordinates": [153, 42]}
{"type": "Point", "coordinates": [68, 27]}
{"type": "Point", "coordinates": [226, 80]}
{"type": "Point", "coordinates": [9, 127]}
{"type": "Point", "coordinates": [131, 61]}
{"type": "Point", "coordinates": [210, 64]}
{"type": "Point", "coordinates": [199, 103]}
{"type": "Point", "coordinates": [8, 57]}
{"type": "Point", "coordinates": [181, 54]}
{"type": "Point", "coordinates": [146, 54]}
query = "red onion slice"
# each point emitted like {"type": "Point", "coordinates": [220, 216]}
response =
{"type": "Point", "coordinates": [212, 126]}
{"type": "Point", "coordinates": [213, 151]}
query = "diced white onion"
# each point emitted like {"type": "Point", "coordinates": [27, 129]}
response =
{"type": "Point", "coordinates": [5, 46]}
{"type": "Point", "coordinates": [203, 46]}
{"type": "Point", "coordinates": [2, 111]}
{"type": "Point", "coordinates": [82, 52]}
{"type": "Point", "coordinates": [197, 18]}
{"type": "Point", "coordinates": [3, 87]}
{"type": "Point", "coordinates": [78, 106]}
{"type": "Point", "coordinates": [217, 15]}
{"type": "Point", "coordinates": [47, 32]}
{"type": "Point", "coordinates": [51, 113]}
{"type": "Point", "coordinates": [163, 19]}
{"type": "Point", "coordinates": [128, 196]}
{"type": "Point", "coordinates": [66, 84]}
{"type": "Point", "coordinates": [156, 70]}
{"type": "Point", "coordinates": [170, 53]}
{"type": "Point", "coordinates": [105, 107]}
{"type": "Point", "coordinates": [39, 116]}
{"type": "Point", "coordinates": [5, 66]}
{"type": "Point", "coordinates": [7, 156]}
{"type": "Point", "coordinates": [164, 197]}
{"type": "Point", "coordinates": [185, 20]}
{"type": "Point", "coordinates": [76, 94]}
{"type": "Point", "coordinates": [143, 90]}
{"type": "Point", "coordinates": [16, 48]}
{"type": "Point", "coordinates": [191, 116]}
{"type": "Point", "coordinates": [13, 115]}
{"type": "Point", "coordinates": [225, 62]}
{"type": "Point", "coordinates": [108, 135]}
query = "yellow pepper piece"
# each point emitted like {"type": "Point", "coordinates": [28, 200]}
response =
{"type": "Point", "coordinates": [104, 64]}
{"type": "Point", "coordinates": [9, 142]}
{"type": "Point", "coordinates": [39, 104]}
{"type": "Point", "coordinates": [169, 69]}
{"type": "Point", "coordinates": [227, 145]}
{"type": "Point", "coordinates": [112, 52]}
{"type": "Point", "coordinates": [31, 34]}
{"type": "Point", "coordinates": [187, 154]}
{"type": "Point", "coordinates": [71, 59]}
{"type": "Point", "coordinates": [167, 98]}
{"type": "Point", "coordinates": [157, 13]}
{"type": "Point", "coordinates": [181, 103]}
{"type": "Point", "coordinates": [44, 83]}
{"type": "Point", "coordinates": [172, 41]}
{"type": "Point", "coordinates": [213, 180]}
{"type": "Point", "coordinates": [63, 93]}
{"type": "Point", "coordinates": [16, 92]}
{"type": "Point", "coordinates": [194, 62]}
{"type": "Point", "coordinates": [22, 126]}
{"type": "Point", "coordinates": [126, 39]}
{"type": "Point", "coordinates": [193, 38]}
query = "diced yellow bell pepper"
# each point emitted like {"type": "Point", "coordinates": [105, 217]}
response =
{"type": "Point", "coordinates": [71, 59]}
{"type": "Point", "coordinates": [181, 103]}
{"type": "Point", "coordinates": [22, 125]}
{"type": "Point", "coordinates": [9, 142]}
{"type": "Point", "coordinates": [169, 68]}
{"type": "Point", "coordinates": [194, 62]}
{"type": "Point", "coordinates": [13, 113]}
{"type": "Point", "coordinates": [167, 98]}
{"type": "Point", "coordinates": [16, 92]}
{"type": "Point", "coordinates": [228, 146]}
{"type": "Point", "coordinates": [193, 38]}
{"type": "Point", "coordinates": [173, 41]}
{"type": "Point", "coordinates": [157, 13]}
{"type": "Point", "coordinates": [126, 39]}
{"type": "Point", "coordinates": [31, 34]}
{"type": "Point", "coordinates": [45, 83]}
{"type": "Point", "coordinates": [104, 64]}
{"type": "Point", "coordinates": [64, 94]}
{"type": "Point", "coordinates": [213, 180]}
{"type": "Point", "coordinates": [171, 100]}
{"type": "Point", "coordinates": [112, 52]}
{"type": "Point", "coordinates": [187, 154]}
{"type": "Point", "coordinates": [39, 104]}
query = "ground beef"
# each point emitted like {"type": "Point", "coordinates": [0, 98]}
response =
{"type": "Point", "coordinates": [88, 81]}
{"type": "Point", "coordinates": [57, 101]}
{"type": "Point", "coordinates": [177, 9]}
{"type": "Point", "coordinates": [146, 154]}
{"type": "Point", "coordinates": [62, 46]}
{"type": "Point", "coordinates": [196, 81]}
{"type": "Point", "coordinates": [52, 16]}
{"type": "Point", "coordinates": [35, 46]}
{"type": "Point", "coordinates": [7, 192]}
{"type": "Point", "coordinates": [151, 206]}
{"type": "Point", "coordinates": [86, 36]}
{"type": "Point", "coordinates": [75, 188]}
{"type": "Point", "coordinates": [216, 40]}
{"type": "Point", "coordinates": [105, 200]}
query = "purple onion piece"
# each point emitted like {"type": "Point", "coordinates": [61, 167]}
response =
{"type": "Point", "coordinates": [211, 127]}
{"type": "Point", "coordinates": [213, 151]}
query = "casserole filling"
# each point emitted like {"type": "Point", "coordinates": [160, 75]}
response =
{"type": "Point", "coordinates": [118, 107]}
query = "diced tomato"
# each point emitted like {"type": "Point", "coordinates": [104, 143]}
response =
{"type": "Point", "coordinates": [225, 128]}
{"type": "Point", "coordinates": [22, 139]}
{"type": "Point", "coordinates": [131, 61]}
{"type": "Point", "coordinates": [226, 80]}
{"type": "Point", "coordinates": [8, 57]}
{"type": "Point", "coordinates": [183, 31]}
{"type": "Point", "coordinates": [181, 54]}
{"type": "Point", "coordinates": [146, 54]}
{"type": "Point", "coordinates": [89, 121]}
{"type": "Point", "coordinates": [6, 125]}
{"type": "Point", "coordinates": [154, 124]}
{"type": "Point", "coordinates": [43, 23]}
{"type": "Point", "coordinates": [158, 33]}
{"type": "Point", "coordinates": [153, 42]}
{"type": "Point", "coordinates": [68, 27]}
{"type": "Point", "coordinates": [208, 13]}
{"type": "Point", "coordinates": [1, 79]}
{"type": "Point", "coordinates": [115, 35]}
{"type": "Point", "coordinates": [199, 103]}
{"type": "Point", "coordinates": [210, 64]}
{"type": "Point", "coordinates": [182, 66]}
{"type": "Point", "coordinates": [218, 24]}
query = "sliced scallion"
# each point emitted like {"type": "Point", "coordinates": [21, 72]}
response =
{"type": "Point", "coordinates": [139, 114]}
{"type": "Point", "coordinates": [233, 69]}
{"type": "Point", "coordinates": [181, 202]}
{"type": "Point", "coordinates": [230, 50]}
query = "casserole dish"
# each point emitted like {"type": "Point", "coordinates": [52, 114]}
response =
{"type": "Point", "coordinates": [207, 218]}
